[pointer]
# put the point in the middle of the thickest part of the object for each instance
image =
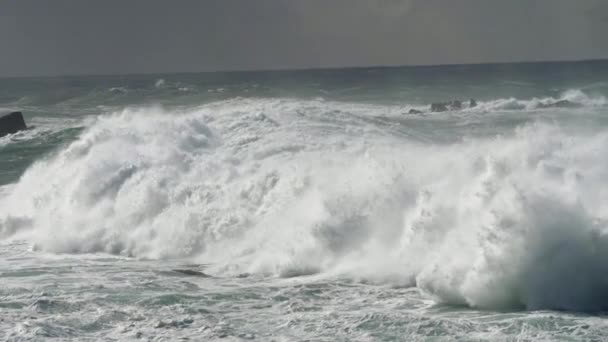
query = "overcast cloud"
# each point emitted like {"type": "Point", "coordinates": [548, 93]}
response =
{"type": "Point", "coordinates": [39, 37]}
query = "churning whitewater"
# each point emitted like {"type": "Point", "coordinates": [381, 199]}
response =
{"type": "Point", "coordinates": [494, 211]}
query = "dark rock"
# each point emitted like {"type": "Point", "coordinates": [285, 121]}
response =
{"type": "Point", "coordinates": [544, 105]}
{"type": "Point", "coordinates": [11, 123]}
{"type": "Point", "coordinates": [472, 103]}
{"type": "Point", "coordinates": [439, 107]}
{"type": "Point", "coordinates": [445, 106]}
{"type": "Point", "coordinates": [192, 273]}
{"type": "Point", "coordinates": [414, 111]}
{"type": "Point", "coordinates": [566, 104]}
{"type": "Point", "coordinates": [456, 105]}
{"type": "Point", "coordinates": [559, 104]}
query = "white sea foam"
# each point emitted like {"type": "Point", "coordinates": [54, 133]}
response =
{"type": "Point", "coordinates": [40, 126]}
{"type": "Point", "coordinates": [159, 83]}
{"type": "Point", "coordinates": [118, 90]}
{"type": "Point", "coordinates": [575, 97]}
{"type": "Point", "coordinates": [288, 187]}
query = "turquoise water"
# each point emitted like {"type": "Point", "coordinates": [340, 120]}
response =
{"type": "Point", "coordinates": [307, 206]}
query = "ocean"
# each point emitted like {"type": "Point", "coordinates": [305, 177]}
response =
{"type": "Point", "coordinates": [308, 206]}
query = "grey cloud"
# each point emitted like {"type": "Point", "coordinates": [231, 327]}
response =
{"type": "Point", "coordinates": [112, 36]}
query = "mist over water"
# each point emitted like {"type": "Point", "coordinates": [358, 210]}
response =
{"type": "Point", "coordinates": [312, 201]}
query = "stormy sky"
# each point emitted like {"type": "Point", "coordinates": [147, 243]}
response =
{"type": "Point", "coordinates": [64, 37]}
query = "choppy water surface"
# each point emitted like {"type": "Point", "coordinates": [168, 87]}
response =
{"type": "Point", "coordinates": [307, 206]}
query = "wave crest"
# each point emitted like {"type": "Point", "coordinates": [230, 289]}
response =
{"type": "Point", "coordinates": [289, 188]}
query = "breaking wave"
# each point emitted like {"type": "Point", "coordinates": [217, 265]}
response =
{"type": "Point", "coordinates": [575, 98]}
{"type": "Point", "coordinates": [288, 187]}
{"type": "Point", "coordinates": [571, 99]}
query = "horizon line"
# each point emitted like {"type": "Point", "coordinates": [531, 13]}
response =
{"type": "Point", "coordinates": [309, 69]}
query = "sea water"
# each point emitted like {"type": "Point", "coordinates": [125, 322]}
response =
{"type": "Point", "coordinates": [307, 206]}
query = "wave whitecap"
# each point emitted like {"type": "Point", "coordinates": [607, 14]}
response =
{"type": "Point", "coordinates": [286, 187]}
{"type": "Point", "coordinates": [571, 99]}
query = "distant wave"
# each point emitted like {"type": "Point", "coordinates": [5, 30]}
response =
{"type": "Point", "coordinates": [118, 90]}
{"type": "Point", "coordinates": [159, 83]}
{"type": "Point", "coordinates": [159, 86]}
{"type": "Point", "coordinates": [287, 187]}
{"type": "Point", "coordinates": [575, 97]}
{"type": "Point", "coordinates": [216, 90]}
{"type": "Point", "coordinates": [4, 110]}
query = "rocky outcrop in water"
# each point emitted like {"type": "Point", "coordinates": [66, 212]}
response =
{"type": "Point", "coordinates": [11, 123]}
{"type": "Point", "coordinates": [559, 104]}
{"type": "Point", "coordinates": [438, 107]}
{"type": "Point", "coordinates": [446, 106]}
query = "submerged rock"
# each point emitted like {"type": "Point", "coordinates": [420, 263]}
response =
{"type": "Point", "coordinates": [451, 105]}
{"type": "Point", "coordinates": [192, 273]}
{"type": "Point", "coordinates": [414, 111]}
{"type": "Point", "coordinates": [559, 104]}
{"type": "Point", "coordinates": [439, 107]}
{"type": "Point", "coordinates": [455, 105]}
{"type": "Point", "coordinates": [11, 123]}
{"type": "Point", "coordinates": [445, 106]}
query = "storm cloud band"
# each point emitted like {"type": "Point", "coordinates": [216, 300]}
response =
{"type": "Point", "coordinates": [144, 36]}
